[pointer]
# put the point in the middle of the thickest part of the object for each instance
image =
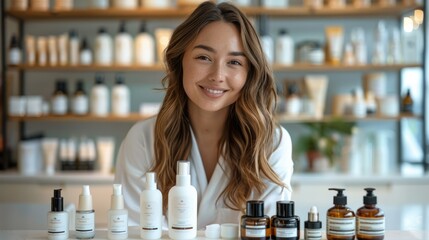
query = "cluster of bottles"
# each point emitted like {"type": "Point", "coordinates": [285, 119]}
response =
{"type": "Point", "coordinates": [70, 50]}
{"type": "Point", "coordinates": [342, 223]}
{"type": "Point", "coordinates": [98, 104]}
{"type": "Point", "coordinates": [75, 155]}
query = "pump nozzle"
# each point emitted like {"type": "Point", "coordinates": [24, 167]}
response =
{"type": "Point", "coordinates": [370, 198]}
{"type": "Point", "coordinates": [57, 203]}
{"type": "Point", "coordinates": [85, 199]}
{"type": "Point", "coordinates": [117, 201]}
{"type": "Point", "coordinates": [183, 167]}
{"type": "Point", "coordinates": [150, 180]}
{"type": "Point", "coordinates": [340, 199]}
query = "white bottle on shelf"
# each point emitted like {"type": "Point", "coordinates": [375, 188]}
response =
{"type": "Point", "coordinates": [123, 47]}
{"type": "Point", "coordinates": [80, 100]}
{"type": "Point", "coordinates": [150, 209]}
{"type": "Point", "coordinates": [125, 4]}
{"type": "Point", "coordinates": [275, 3]}
{"type": "Point", "coordinates": [73, 48]}
{"type": "Point", "coordinates": [85, 53]}
{"type": "Point", "coordinates": [14, 51]}
{"type": "Point", "coordinates": [117, 216]}
{"type": "Point", "coordinates": [59, 101]}
{"type": "Point", "coordinates": [99, 105]}
{"type": "Point", "coordinates": [155, 3]}
{"type": "Point", "coordinates": [120, 98]}
{"type": "Point", "coordinates": [182, 205]}
{"type": "Point", "coordinates": [103, 48]}
{"type": "Point", "coordinates": [285, 48]}
{"type": "Point", "coordinates": [99, 4]}
{"type": "Point", "coordinates": [144, 47]}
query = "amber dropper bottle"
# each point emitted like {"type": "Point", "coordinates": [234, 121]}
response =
{"type": "Point", "coordinates": [255, 225]}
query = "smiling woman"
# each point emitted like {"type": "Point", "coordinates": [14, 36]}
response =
{"type": "Point", "coordinates": [218, 114]}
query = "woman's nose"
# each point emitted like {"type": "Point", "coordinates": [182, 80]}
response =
{"type": "Point", "coordinates": [218, 73]}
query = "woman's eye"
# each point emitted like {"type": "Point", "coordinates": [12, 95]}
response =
{"type": "Point", "coordinates": [205, 58]}
{"type": "Point", "coordinates": [234, 62]}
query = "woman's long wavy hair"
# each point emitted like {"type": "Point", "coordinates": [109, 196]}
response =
{"type": "Point", "coordinates": [247, 141]}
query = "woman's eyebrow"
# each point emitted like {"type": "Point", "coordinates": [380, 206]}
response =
{"type": "Point", "coordinates": [210, 49]}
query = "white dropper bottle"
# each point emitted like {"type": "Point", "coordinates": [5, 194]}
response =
{"type": "Point", "coordinates": [117, 216]}
{"type": "Point", "coordinates": [182, 205]}
{"type": "Point", "coordinates": [85, 216]}
{"type": "Point", "coordinates": [150, 209]}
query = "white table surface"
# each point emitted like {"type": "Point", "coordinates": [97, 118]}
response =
{"type": "Point", "coordinates": [134, 234]}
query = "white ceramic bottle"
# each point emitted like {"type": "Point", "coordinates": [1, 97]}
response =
{"type": "Point", "coordinates": [80, 100]}
{"type": "Point", "coordinates": [103, 48]}
{"type": "Point", "coordinates": [285, 48]}
{"type": "Point", "coordinates": [58, 227]}
{"type": "Point", "coordinates": [120, 98]}
{"type": "Point", "coordinates": [85, 215]}
{"type": "Point", "coordinates": [150, 209]}
{"type": "Point", "coordinates": [123, 47]}
{"type": "Point", "coordinates": [117, 221]}
{"type": "Point", "coordinates": [99, 103]}
{"type": "Point", "coordinates": [182, 205]}
{"type": "Point", "coordinates": [73, 48]}
{"type": "Point", "coordinates": [59, 101]}
{"type": "Point", "coordinates": [14, 51]}
{"type": "Point", "coordinates": [144, 47]}
{"type": "Point", "coordinates": [85, 57]}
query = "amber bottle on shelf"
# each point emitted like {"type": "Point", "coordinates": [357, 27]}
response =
{"type": "Point", "coordinates": [407, 103]}
{"type": "Point", "coordinates": [340, 224]}
{"type": "Point", "coordinates": [370, 223]}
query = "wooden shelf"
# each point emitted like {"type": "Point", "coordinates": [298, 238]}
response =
{"type": "Point", "coordinates": [276, 68]}
{"type": "Point", "coordinates": [302, 119]}
{"type": "Point", "coordinates": [152, 13]}
{"type": "Point", "coordinates": [133, 117]}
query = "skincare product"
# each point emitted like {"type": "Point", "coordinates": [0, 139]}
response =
{"type": "Point", "coordinates": [340, 223]}
{"type": "Point", "coordinates": [316, 88]}
{"type": "Point", "coordinates": [117, 216]}
{"type": "Point", "coordinates": [30, 157]}
{"type": "Point", "coordinates": [182, 205]}
{"type": "Point", "coordinates": [39, 5]}
{"type": "Point", "coordinates": [52, 51]}
{"type": "Point", "coordinates": [314, 3]}
{"type": "Point", "coordinates": [19, 5]}
{"type": "Point", "coordinates": [150, 209]}
{"type": "Point", "coordinates": [293, 101]}
{"type": "Point", "coordinates": [162, 36]}
{"type": "Point", "coordinates": [58, 228]}
{"type": "Point", "coordinates": [386, 3]}
{"type": "Point", "coordinates": [285, 48]}
{"type": "Point", "coordinates": [14, 51]}
{"type": "Point", "coordinates": [73, 48]}
{"type": "Point", "coordinates": [99, 103]}
{"type": "Point", "coordinates": [85, 215]}
{"type": "Point", "coordinates": [359, 103]}
{"type": "Point", "coordinates": [335, 40]}
{"type": "Point", "coordinates": [370, 223]}
{"type": "Point", "coordinates": [275, 3]}
{"type": "Point", "coordinates": [123, 46]}
{"type": "Point", "coordinates": [155, 4]}
{"type": "Point", "coordinates": [313, 226]}
{"type": "Point", "coordinates": [50, 148]}
{"type": "Point", "coordinates": [144, 47]}
{"type": "Point", "coordinates": [361, 3]}
{"type": "Point", "coordinates": [120, 98]}
{"type": "Point", "coordinates": [336, 3]}
{"type": "Point", "coordinates": [407, 103]}
{"type": "Point", "coordinates": [359, 45]}
{"type": "Point", "coordinates": [103, 48]}
{"type": "Point", "coordinates": [30, 50]}
{"type": "Point", "coordinates": [267, 42]}
{"type": "Point", "coordinates": [285, 224]}
{"type": "Point", "coordinates": [105, 149]}
{"type": "Point", "coordinates": [125, 4]}
{"type": "Point", "coordinates": [63, 5]}
{"type": "Point", "coordinates": [255, 224]}
{"type": "Point", "coordinates": [80, 104]}
{"type": "Point", "coordinates": [59, 101]}
{"type": "Point", "coordinates": [63, 48]}
{"type": "Point", "coordinates": [349, 56]}
{"type": "Point", "coordinates": [85, 57]}
{"type": "Point", "coordinates": [394, 49]}
{"type": "Point", "coordinates": [42, 51]}
{"type": "Point", "coordinates": [99, 4]}
{"type": "Point", "coordinates": [380, 42]}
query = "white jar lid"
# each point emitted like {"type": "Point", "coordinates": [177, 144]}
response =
{"type": "Point", "coordinates": [229, 230]}
{"type": "Point", "coordinates": [212, 231]}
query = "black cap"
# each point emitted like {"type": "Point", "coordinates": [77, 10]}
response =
{"type": "Point", "coordinates": [79, 85]}
{"type": "Point", "coordinates": [14, 43]}
{"type": "Point", "coordinates": [292, 88]}
{"type": "Point", "coordinates": [340, 199]}
{"type": "Point", "coordinates": [255, 208]}
{"type": "Point", "coordinates": [72, 33]}
{"type": "Point", "coordinates": [285, 209]}
{"type": "Point", "coordinates": [84, 44]}
{"type": "Point", "coordinates": [119, 79]}
{"type": "Point", "coordinates": [102, 30]}
{"type": "Point", "coordinates": [122, 28]}
{"type": "Point", "coordinates": [99, 79]}
{"type": "Point", "coordinates": [143, 27]}
{"type": "Point", "coordinates": [283, 31]}
{"type": "Point", "coordinates": [370, 198]}
{"type": "Point", "coordinates": [57, 203]}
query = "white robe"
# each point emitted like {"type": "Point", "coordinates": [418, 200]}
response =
{"type": "Point", "coordinates": [136, 156]}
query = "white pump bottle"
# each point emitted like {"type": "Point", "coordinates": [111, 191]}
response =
{"type": "Point", "coordinates": [150, 209]}
{"type": "Point", "coordinates": [85, 216]}
{"type": "Point", "coordinates": [182, 205]}
{"type": "Point", "coordinates": [117, 225]}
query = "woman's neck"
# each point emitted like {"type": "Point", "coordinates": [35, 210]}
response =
{"type": "Point", "coordinates": [208, 124]}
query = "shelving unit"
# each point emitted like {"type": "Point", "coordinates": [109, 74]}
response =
{"type": "Point", "coordinates": [179, 13]}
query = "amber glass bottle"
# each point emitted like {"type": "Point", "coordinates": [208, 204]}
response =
{"type": "Point", "coordinates": [255, 225]}
{"type": "Point", "coordinates": [285, 224]}
{"type": "Point", "coordinates": [407, 103]}
{"type": "Point", "coordinates": [341, 221]}
{"type": "Point", "coordinates": [370, 224]}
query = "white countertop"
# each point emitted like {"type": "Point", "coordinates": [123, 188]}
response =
{"type": "Point", "coordinates": [134, 234]}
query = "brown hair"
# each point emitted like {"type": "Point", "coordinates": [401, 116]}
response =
{"type": "Point", "coordinates": [247, 141]}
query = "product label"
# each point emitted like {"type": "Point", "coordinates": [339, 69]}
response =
{"type": "Point", "coordinates": [59, 105]}
{"type": "Point", "coordinates": [370, 226]}
{"type": "Point", "coordinates": [183, 213]}
{"type": "Point", "coordinates": [84, 221]}
{"type": "Point", "coordinates": [286, 232]}
{"type": "Point", "coordinates": [312, 234]}
{"type": "Point", "coordinates": [150, 215]}
{"type": "Point", "coordinates": [118, 224]}
{"type": "Point", "coordinates": [58, 225]}
{"type": "Point", "coordinates": [80, 104]}
{"type": "Point", "coordinates": [255, 231]}
{"type": "Point", "coordinates": [341, 226]}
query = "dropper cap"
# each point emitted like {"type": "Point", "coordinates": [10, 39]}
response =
{"type": "Point", "coordinates": [85, 199]}
{"type": "Point", "coordinates": [57, 202]}
{"type": "Point", "coordinates": [150, 181]}
{"type": "Point", "coordinates": [255, 208]}
{"type": "Point", "coordinates": [285, 209]}
{"type": "Point", "coordinates": [340, 199]}
{"type": "Point", "coordinates": [117, 201]}
{"type": "Point", "coordinates": [370, 198]}
{"type": "Point", "coordinates": [313, 221]}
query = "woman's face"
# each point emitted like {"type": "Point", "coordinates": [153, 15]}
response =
{"type": "Point", "coordinates": [214, 68]}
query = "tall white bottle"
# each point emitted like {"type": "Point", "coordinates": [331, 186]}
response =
{"type": "Point", "coordinates": [123, 47]}
{"type": "Point", "coordinates": [99, 103]}
{"type": "Point", "coordinates": [85, 216]}
{"type": "Point", "coordinates": [285, 48]}
{"type": "Point", "coordinates": [120, 98]}
{"type": "Point", "coordinates": [182, 205]}
{"type": "Point", "coordinates": [144, 47]}
{"type": "Point", "coordinates": [150, 209]}
{"type": "Point", "coordinates": [58, 227]}
{"type": "Point", "coordinates": [103, 48]}
{"type": "Point", "coordinates": [117, 216]}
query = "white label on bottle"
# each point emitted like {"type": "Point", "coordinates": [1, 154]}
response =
{"type": "Point", "coordinates": [341, 226]}
{"type": "Point", "coordinates": [84, 221]}
{"type": "Point", "coordinates": [14, 56]}
{"type": "Point", "coordinates": [183, 214]}
{"type": "Point", "coordinates": [286, 232]}
{"type": "Point", "coordinates": [370, 226]}
{"type": "Point", "coordinates": [58, 225]}
{"type": "Point", "coordinates": [80, 105]}
{"type": "Point", "coordinates": [312, 234]}
{"type": "Point", "coordinates": [118, 224]}
{"type": "Point", "coordinates": [255, 231]}
{"type": "Point", "coordinates": [150, 218]}
{"type": "Point", "coordinates": [59, 105]}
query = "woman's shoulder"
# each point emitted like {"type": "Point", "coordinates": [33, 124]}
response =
{"type": "Point", "coordinates": [281, 135]}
